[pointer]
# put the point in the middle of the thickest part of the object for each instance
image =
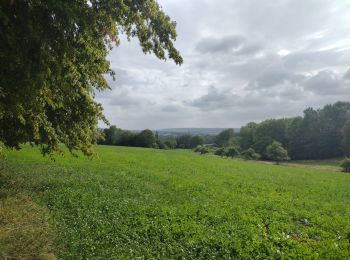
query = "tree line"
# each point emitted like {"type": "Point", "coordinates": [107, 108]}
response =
{"type": "Point", "coordinates": [318, 134]}
{"type": "Point", "coordinates": [148, 138]}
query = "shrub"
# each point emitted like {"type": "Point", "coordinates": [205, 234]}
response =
{"type": "Point", "coordinates": [201, 149]}
{"type": "Point", "coordinates": [197, 149]}
{"type": "Point", "coordinates": [250, 154]}
{"type": "Point", "coordinates": [204, 150]}
{"type": "Point", "coordinates": [276, 152]}
{"type": "Point", "coordinates": [232, 151]}
{"type": "Point", "coordinates": [220, 152]}
{"type": "Point", "coordinates": [345, 164]}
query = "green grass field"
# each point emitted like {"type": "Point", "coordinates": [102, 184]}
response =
{"type": "Point", "coordinates": [331, 162]}
{"type": "Point", "coordinates": [134, 202]}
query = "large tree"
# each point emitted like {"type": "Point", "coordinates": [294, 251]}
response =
{"type": "Point", "coordinates": [224, 138]}
{"type": "Point", "coordinates": [346, 138]}
{"type": "Point", "coordinates": [53, 59]}
{"type": "Point", "coordinates": [112, 136]}
{"type": "Point", "coordinates": [145, 138]}
{"type": "Point", "coordinates": [246, 135]}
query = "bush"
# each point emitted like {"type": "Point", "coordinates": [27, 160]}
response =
{"type": "Point", "coordinates": [232, 151]}
{"type": "Point", "coordinates": [201, 149]}
{"type": "Point", "coordinates": [220, 152]}
{"type": "Point", "coordinates": [345, 164]}
{"type": "Point", "coordinates": [250, 154]}
{"type": "Point", "coordinates": [204, 150]}
{"type": "Point", "coordinates": [197, 149]}
{"type": "Point", "coordinates": [276, 152]}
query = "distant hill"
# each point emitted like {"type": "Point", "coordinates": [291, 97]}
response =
{"type": "Point", "coordinates": [192, 131]}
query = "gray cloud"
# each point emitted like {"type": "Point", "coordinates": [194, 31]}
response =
{"type": "Point", "coordinates": [327, 82]}
{"type": "Point", "coordinates": [347, 75]}
{"type": "Point", "coordinates": [308, 60]}
{"type": "Point", "coordinates": [213, 99]}
{"type": "Point", "coordinates": [272, 76]}
{"type": "Point", "coordinates": [122, 98]}
{"type": "Point", "coordinates": [250, 49]}
{"type": "Point", "coordinates": [244, 61]}
{"type": "Point", "coordinates": [232, 44]}
{"type": "Point", "coordinates": [225, 44]}
{"type": "Point", "coordinates": [171, 108]}
{"type": "Point", "coordinates": [216, 99]}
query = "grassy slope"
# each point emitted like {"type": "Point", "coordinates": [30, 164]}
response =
{"type": "Point", "coordinates": [328, 162]}
{"type": "Point", "coordinates": [143, 202]}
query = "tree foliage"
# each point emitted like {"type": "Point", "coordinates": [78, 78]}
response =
{"type": "Point", "coordinates": [188, 141]}
{"type": "Point", "coordinates": [276, 152]}
{"type": "Point", "coordinates": [246, 135]}
{"type": "Point", "coordinates": [346, 138]}
{"type": "Point", "coordinates": [224, 138]}
{"type": "Point", "coordinates": [196, 140]}
{"type": "Point", "coordinates": [220, 151]}
{"type": "Point", "coordinates": [250, 154]}
{"type": "Point", "coordinates": [145, 138]}
{"type": "Point", "coordinates": [232, 151]}
{"type": "Point", "coordinates": [170, 142]}
{"type": "Point", "coordinates": [184, 141]}
{"type": "Point", "coordinates": [318, 134]}
{"type": "Point", "coordinates": [53, 60]}
{"type": "Point", "coordinates": [345, 164]}
{"type": "Point", "coordinates": [201, 149]}
{"type": "Point", "coordinates": [117, 136]}
{"type": "Point", "coordinates": [112, 135]}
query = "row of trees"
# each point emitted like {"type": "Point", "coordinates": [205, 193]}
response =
{"type": "Point", "coordinates": [117, 136]}
{"type": "Point", "coordinates": [231, 148]}
{"type": "Point", "coordinates": [318, 134]}
{"type": "Point", "coordinates": [147, 138]}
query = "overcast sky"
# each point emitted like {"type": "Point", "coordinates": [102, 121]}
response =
{"type": "Point", "coordinates": [243, 61]}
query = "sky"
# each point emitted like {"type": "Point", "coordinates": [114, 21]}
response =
{"type": "Point", "coordinates": [243, 61]}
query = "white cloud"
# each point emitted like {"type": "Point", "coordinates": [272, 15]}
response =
{"type": "Point", "coordinates": [244, 61]}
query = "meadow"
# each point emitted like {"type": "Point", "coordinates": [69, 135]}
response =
{"type": "Point", "coordinates": [148, 203]}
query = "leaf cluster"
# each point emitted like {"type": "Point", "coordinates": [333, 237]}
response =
{"type": "Point", "coordinates": [53, 60]}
